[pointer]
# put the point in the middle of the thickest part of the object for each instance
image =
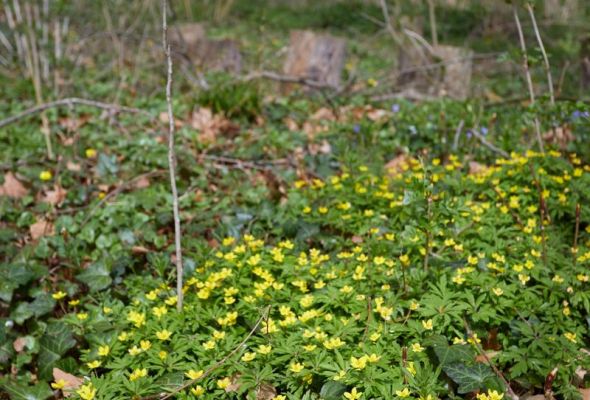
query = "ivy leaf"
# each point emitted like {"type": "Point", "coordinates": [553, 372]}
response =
{"type": "Point", "coordinates": [58, 339]}
{"type": "Point", "coordinates": [40, 391]}
{"type": "Point", "coordinates": [332, 390]}
{"type": "Point", "coordinates": [469, 378]}
{"type": "Point", "coordinates": [97, 277]}
{"type": "Point", "coordinates": [43, 304]}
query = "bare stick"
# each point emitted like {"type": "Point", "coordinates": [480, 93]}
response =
{"type": "Point", "coordinates": [527, 72]}
{"type": "Point", "coordinates": [498, 373]}
{"type": "Point", "coordinates": [70, 102]}
{"type": "Point", "coordinates": [489, 145]}
{"type": "Point", "coordinates": [288, 79]}
{"type": "Point", "coordinates": [545, 58]}
{"type": "Point", "coordinates": [219, 363]}
{"type": "Point", "coordinates": [172, 159]}
{"type": "Point", "coordinates": [432, 16]}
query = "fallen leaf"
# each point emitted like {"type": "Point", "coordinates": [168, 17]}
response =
{"type": "Point", "coordinates": [72, 124]}
{"type": "Point", "coordinates": [139, 250]}
{"type": "Point", "coordinates": [585, 392]}
{"type": "Point", "coordinates": [19, 344]}
{"type": "Point", "coordinates": [265, 392]}
{"type": "Point", "coordinates": [72, 166]}
{"type": "Point", "coordinates": [72, 382]}
{"type": "Point", "coordinates": [41, 228]}
{"type": "Point", "coordinates": [164, 119]}
{"type": "Point", "coordinates": [357, 239]}
{"type": "Point", "coordinates": [235, 384]}
{"type": "Point", "coordinates": [476, 168]}
{"type": "Point", "coordinates": [561, 136]}
{"type": "Point", "coordinates": [291, 124]}
{"type": "Point", "coordinates": [489, 354]}
{"type": "Point", "coordinates": [323, 114]}
{"type": "Point", "coordinates": [399, 164]}
{"type": "Point", "coordinates": [142, 183]}
{"type": "Point", "coordinates": [12, 187]}
{"type": "Point", "coordinates": [211, 125]}
{"type": "Point", "coordinates": [55, 196]}
{"type": "Point", "coordinates": [377, 114]}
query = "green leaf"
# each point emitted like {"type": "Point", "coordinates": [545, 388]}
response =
{"type": "Point", "coordinates": [16, 391]}
{"type": "Point", "coordinates": [96, 276]}
{"type": "Point", "coordinates": [42, 305]}
{"type": "Point", "coordinates": [58, 339]}
{"type": "Point", "coordinates": [469, 378]}
{"type": "Point", "coordinates": [332, 390]}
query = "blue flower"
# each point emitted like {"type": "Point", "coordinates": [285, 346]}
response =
{"type": "Point", "coordinates": [395, 108]}
{"type": "Point", "coordinates": [483, 130]}
{"type": "Point", "coordinates": [356, 128]}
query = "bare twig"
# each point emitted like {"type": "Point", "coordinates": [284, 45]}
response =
{"type": "Point", "coordinates": [172, 159]}
{"type": "Point", "coordinates": [432, 17]}
{"type": "Point", "coordinates": [489, 145]}
{"type": "Point", "coordinates": [70, 102]}
{"type": "Point", "coordinates": [576, 233]}
{"type": "Point", "coordinates": [498, 373]}
{"type": "Point", "coordinates": [115, 192]}
{"type": "Point", "coordinates": [288, 79]}
{"type": "Point", "coordinates": [219, 363]}
{"type": "Point", "coordinates": [545, 58]}
{"type": "Point", "coordinates": [458, 135]}
{"type": "Point", "coordinates": [527, 73]}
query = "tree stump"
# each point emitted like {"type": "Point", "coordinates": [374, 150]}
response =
{"type": "Point", "coordinates": [317, 57]}
{"type": "Point", "coordinates": [585, 63]}
{"type": "Point", "coordinates": [456, 71]}
{"type": "Point", "coordinates": [190, 42]}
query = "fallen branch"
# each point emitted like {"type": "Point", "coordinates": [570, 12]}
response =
{"type": "Point", "coordinates": [219, 363]}
{"type": "Point", "coordinates": [287, 79]}
{"type": "Point", "coordinates": [408, 94]}
{"type": "Point", "coordinates": [71, 102]}
{"type": "Point", "coordinates": [498, 373]}
{"type": "Point", "coordinates": [172, 160]}
{"type": "Point", "coordinates": [489, 145]}
{"type": "Point", "coordinates": [545, 58]}
{"type": "Point", "coordinates": [527, 72]}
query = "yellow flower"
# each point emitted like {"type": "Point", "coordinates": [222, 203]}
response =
{"type": "Point", "coordinates": [571, 337]}
{"type": "Point", "coordinates": [218, 335]}
{"type": "Point", "coordinates": [199, 390]}
{"type": "Point", "coordinates": [74, 302]}
{"type": "Point", "coordinates": [223, 383]}
{"type": "Point", "coordinates": [107, 310]}
{"type": "Point", "coordinates": [145, 345]}
{"type": "Point", "coordinates": [82, 316]}
{"type": "Point", "coordinates": [375, 336]}
{"type": "Point", "coordinates": [59, 384]}
{"type": "Point", "coordinates": [45, 175]}
{"type": "Point", "coordinates": [209, 345]}
{"type": "Point", "coordinates": [427, 325]}
{"type": "Point", "coordinates": [59, 295]}
{"type": "Point", "coordinates": [416, 348]}
{"type": "Point", "coordinates": [498, 291]}
{"type": "Point", "coordinates": [372, 358]}
{"type": "Point", "coordinates": [192, 374]}
{"type": "Point", "coordinates": [353, 394]}
{"type": "Point", "coordinates": [162, 354]}
{"type": "Point", "coordinates": [90, 153]}
{"type": "Point", "coordinates": [134, 351]}
{"type": "Point", "coordinates": [123, 336]}
{"type": "Point", "coordinates": [137, 373]}
{"type": "Point", "coordinates": [264, 349]}
{"type": "Point", "coordinates": [159, 311]}
{"type": "Point", "coordinates": [86, 392]}
{"type": "Point", "coordinates": [248, 356]}
{"type": "Point", "coordinates": [164, 334]}
{"type": "Point", "coordinates": [358, 363]}
{"type": "Point", "coordinates": [93, 364]}
{"type": "Point", "coordinates": [296, 367]}
{"type": "Point", "coordinates": [403, 393]}
{"type": "Point", "coordinates": [104, 350]}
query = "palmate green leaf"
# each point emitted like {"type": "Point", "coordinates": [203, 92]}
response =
{"type": "Point", "coordinates": [332, 390]}
{"type": "Point", "coordinates": [469, 378]}
{"type": "Point", "coordinates": [58, 339]}
{"type": "Point", "coordinates": [97, 277]}
{"type": "Point", "coordinates": [16, 391]}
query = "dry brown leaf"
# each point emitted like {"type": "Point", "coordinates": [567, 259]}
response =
{"type": "Point", "coordinates": [19, 344]}
{"type": "Point", "coordinates": [291, 124]}
{"type": "Point", "coordinates": [323, 114]}
{"type": "Point", "coordinates": [139, 250]}
{"type": "Point", "coordinates": [319, 148]}
{"type": "Point", "coordinates": [398, 164]}
{"type": "Point", "coordinates": [535, 397]}
{"type": "Point", "coordinates": [12, 187]}
{"type": "Point", "coordinates": [357, 239]}
{"type": "Point", "coordinates": [376, 114]}
{"type": "Point", "coordinates": [235, 384]}
{"type": "Point", "coordinates": [476, 168]}
{"type": "Point", "coordinates": [41, 228]}
{"type": "Point", "coordinates": [481, 358]}
{"type": "Point", "coordinates": [72, 382]}
{"type": "Point", "coordinates": [55, 196]}
{"type": "Point", "coordinates": [211, 125]}
{"type": "Point", "coordinates": [103, 187]}
{"type": "Point", "coordinates": [561, 136]}
{"type": "Point", "coordinates": [585, 392]}
{"type": "Point", "coordinates": [142, 183]}
{"type": "Point", "coordinates": [265, 392]}
{"type": "Point", "coordinates": [72, 124]}
{"type": "Point", "coordinates": [164, 119]}
{"type": "Point", "coordinates": [74, 167]}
